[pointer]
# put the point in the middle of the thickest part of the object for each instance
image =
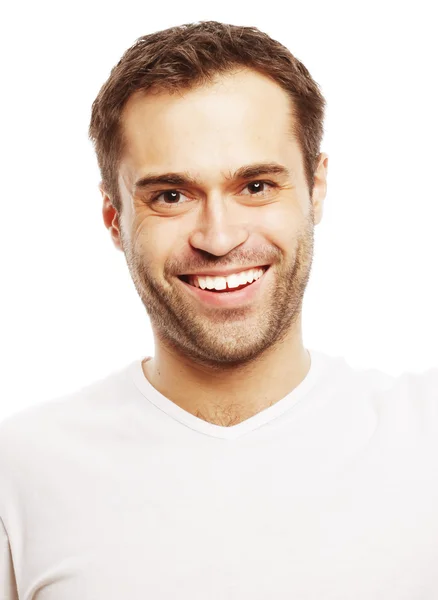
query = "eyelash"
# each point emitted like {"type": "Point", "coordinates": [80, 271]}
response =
{"type": "Point", "coordinates": [154, 198]}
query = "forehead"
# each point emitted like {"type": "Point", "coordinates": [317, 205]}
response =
{"type": "Point", "coordinates": [241, 117]}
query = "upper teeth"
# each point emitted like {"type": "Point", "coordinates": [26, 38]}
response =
{"type": "Point", "coordinates": [220, 283]}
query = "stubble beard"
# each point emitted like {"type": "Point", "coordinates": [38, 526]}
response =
{"type": "Point", "coordinates": [235, 336]}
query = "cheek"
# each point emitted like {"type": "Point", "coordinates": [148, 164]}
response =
{"type": "Point", "coordinates": [283, 230]}
{"type": "Point", "coordinates": [155, 245]}
{"type": "Point", "coordinates": [281, 221]}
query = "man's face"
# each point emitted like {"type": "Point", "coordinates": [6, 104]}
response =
{"type": "Point", "coordinates": [209, 133]}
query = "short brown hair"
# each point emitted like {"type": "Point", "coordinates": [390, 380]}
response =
{"type": "Point", "coordinates": [190, 55]}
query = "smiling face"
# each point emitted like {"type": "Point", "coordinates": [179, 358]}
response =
{"type": "Point", "coordinates": [214, 216]}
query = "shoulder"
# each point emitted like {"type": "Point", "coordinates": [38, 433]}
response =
{"type": "Point", "coordinates": [419, 392]}
{"type": "Point", "coordinates": [407, 402]}
{"type": "Point", "coordinates": [42, 430]}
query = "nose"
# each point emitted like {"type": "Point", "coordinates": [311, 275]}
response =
{"type": "Point", "coordinates": [220, 227]}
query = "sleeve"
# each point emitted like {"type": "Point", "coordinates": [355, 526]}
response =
{"type": "Point", "coordinates": [8, 586]}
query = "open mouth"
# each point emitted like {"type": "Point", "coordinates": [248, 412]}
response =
{"type": "Point", "coordinates": [189, 280]}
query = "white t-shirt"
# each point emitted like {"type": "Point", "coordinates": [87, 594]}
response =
{"type": "Point", "coordinates": [114, 492]}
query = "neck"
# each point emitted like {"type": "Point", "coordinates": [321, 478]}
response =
{"type": "Point", "coordinates": [232, 396]}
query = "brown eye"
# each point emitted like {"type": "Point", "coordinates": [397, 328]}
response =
{"type": "Point", "coordinates": [169, 198]}
{"type": "Point", "coordinates": [260, 187]}
{"type": "Point", "coordinates": [172, 196]}
{"type": "Point", "coordinates": [256, 186]}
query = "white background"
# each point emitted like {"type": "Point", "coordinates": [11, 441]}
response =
{"type": "Point", "coordinates": [69, 310]}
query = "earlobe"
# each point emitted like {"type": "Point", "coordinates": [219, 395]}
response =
{"type": "Point", "coordinates": [320, 188]}
{"type": "Point", "coordinates": [111, 219]}
{"type": "Point", "coordinates": [108, 209]}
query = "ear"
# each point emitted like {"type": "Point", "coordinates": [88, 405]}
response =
{"type": "Point", "coordinates": [111, 218]}
{"type": "Point", "coordinates": [320, 187]}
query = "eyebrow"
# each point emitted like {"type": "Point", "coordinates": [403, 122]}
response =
{"type": "Point", "coordinates": [180, 179]}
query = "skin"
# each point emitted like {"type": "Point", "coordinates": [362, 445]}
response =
{"type": "Point", "coordinates": [222, 365]}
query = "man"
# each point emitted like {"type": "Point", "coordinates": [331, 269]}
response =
{"type": "Point", "coordinates": [234, 463]}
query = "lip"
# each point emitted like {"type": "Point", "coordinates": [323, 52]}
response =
{"type": "Point", "coordinates": [227, 299]}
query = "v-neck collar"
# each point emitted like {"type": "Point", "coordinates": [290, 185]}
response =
{"type": "Point", "coordinates": [235, 431]}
